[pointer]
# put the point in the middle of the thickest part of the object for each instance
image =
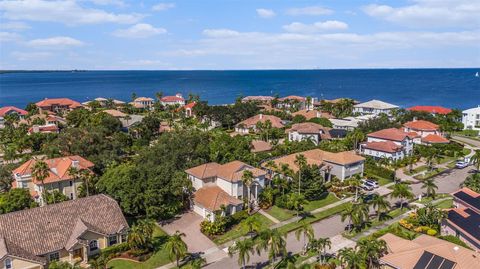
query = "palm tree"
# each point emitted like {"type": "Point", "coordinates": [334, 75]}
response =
{"type": "Point", "coordinates": [430, 187]}
{"type": "Point", "coordinates": [301, 162]}
{"type": "Point", "coordinates": [175, 246]}
{"type": "Point", "coordinates": [247, 180]}
{"type": "Point", "coordinates": [356, 213]}
{"type": "Point", "coordinates": [475, 159]}
{"type": "Point", "coordinates": [273, 241]}
{"type": "Point", "coordinates": [244, 248]}
{"type": "Point", "coordinates": [307, 231]}
{"type": "Point", "coordinates": [296, 201]}
{"type": "Point", "coordinates": [136, 238]}
{"type": "Point", "coordinates": [251, 224]}
{"type": "Point", "coordinates": [355, 183]}
{"type": "Point", "coordinates": [372, 250]}
{"type": "Point", "coordinates": [380, 204]}
{"type": "Point", "coordinates": [402, 191]}
{"type": "Point", "coordinates": [322, 245]}
{"type": "Point", "coordinates": [351, 259]}
{"type": "Point", "coordinates": [271, 166]}
{"type": "Point", "coordinates": [75, 174]}
{"type": "Point", "coordinates": [40, 172]}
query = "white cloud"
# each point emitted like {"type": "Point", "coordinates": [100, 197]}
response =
{"type": "Point", "coordinates": [14, 26]}
{"type": "Point", "coordinates": [67, 12]}
{"type": "Point", "coordinates": [219, 33]}
{"type": "Point", "coordinates": [55, 42]}
{"type": "Point", "coordinates": [140, 30]}
{"type": "Point", "coordinates": [163, 6]}
{"type": "Point", "coordinates": [311, 11]}
{"type": "Point", "coordinates": [29, 56]}
{"type": "Point", "coordinates": [118, 3]}
{"type": "Point", "coordinates": [298, 27]}
{"type": "Point", "coordinates": [9, 37]}
{"type": "Point", "coordinates": [265, 13]}
{"type": "Point", "coordinates": [430, 13]}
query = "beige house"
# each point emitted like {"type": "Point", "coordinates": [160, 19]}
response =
{"type": "Point", "coordinates": [250, 124]}
{"type": "Point", "coordinates": [59, 177]}
{"type": "Point", "coordinates": [71, 232]}
{"type": "Point", "coordinates": [308, 131]}
{"type": "Point", "coordinates": [220, 186]}
{"type": "Point", "coordinates": [143, 103]}
{"type": "Point", "coordinates": [341, 164]}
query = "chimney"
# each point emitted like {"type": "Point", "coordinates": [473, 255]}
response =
{"type": "Point", "coordinates": [75, 163]}
{"type": "Point", "coordinates": [260, 116]}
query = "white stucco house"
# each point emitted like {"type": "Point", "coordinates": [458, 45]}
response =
{"type": "Point", "coordinates": [176, 100]}
{"type": "Point", "coordinates": [220, 187]}
{"type": "Point", "coordinates": [375, 107]}
{"type": "Point", "coordinates": [389, 143]}
{"type": "Point", "coordinates": [471, 119]}
{"type": "Point", "coordinates": [308, 131]}
{"type": "Point", "coordinates": [428, 132]}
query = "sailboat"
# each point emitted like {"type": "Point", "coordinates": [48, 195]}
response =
{"type": "Point", "coordinates": [477, 75]}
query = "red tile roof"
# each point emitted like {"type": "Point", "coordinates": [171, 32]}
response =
{"type": "Point", "coordinates": [58, 101]}
{"type": "Point", "coordinates": [260, 146]}
{"type": "Point", "coordinates": [421, 125]}
{"type": "Point", "coordinates": [386, 146]}
{"type": "Point", "coordinates": [435, 139]}
{"type": "Point", "coordinates": [431, 109]}
{"type": "Point", "coordinates": [232, 171]}
{"type": "Point", "coordinates": [6, 109]}
{"type": "Point", "coordinates": [292, 97]}
{"type": "Point", "coordinates": [172, 99]}
{"type": "Point", "coordinates": [309, 128]}
{"type": "Point", "coordinates": [58, 168]}
{"type": "Point", "coordinates": [252, 121]}
{"type": "Point", "coordinates": [190, 105]}
{"type": "Point", "coordinates": [390, 134]}
{"type": "Point", "coordinates": [49, 128]}
{"type": "Point", "coordinates": [213, 197]}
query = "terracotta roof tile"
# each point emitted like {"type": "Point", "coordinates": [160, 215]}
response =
{"type": "Point", "coordinates": [7, 109]}
{"type": "Point", "coordinates": [292, 97]}
{"type": "Point", "coordinates": [58, 101]}
{"type": "Point", "coordinates": [431, 109]}
{"type": "Point", "coordinates": [435, 139]}
{"type": "Point", "coordinates": [310, 114]}
{"type": "Point", "coordinates": [115, 113]}
{"type": "Point", "coordinates": [252, 121]}
{"type": "Point", "coordinates": [260, 146]}
{"type": "Point", "coordinates": [421, 125]}
{"type": "Point", "coordinates": [384, 146]}
{"type": "Point", "coordinates": [390, 134]}
{"type": "Point", "coordinates": [309, 128]}
{"type": "Point", "coordinates": [213, 197]}
{"type": "Point", "coordinates": [232, 171]}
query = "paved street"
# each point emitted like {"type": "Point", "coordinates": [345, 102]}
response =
{"type": "Point", "coordinates": [468, 140]}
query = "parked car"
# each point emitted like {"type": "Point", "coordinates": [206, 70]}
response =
{"type": "Point", "coordinates": [461, 164]}
{"type": "Point", "coordinates": [371, 182]}
{"type": "Point", "coordinates": [367, 186]}
{"type": "Point", "coordinates": [367, 198]}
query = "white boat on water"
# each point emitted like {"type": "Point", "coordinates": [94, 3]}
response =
{"type": "Point", "coordinates": [477, 75]}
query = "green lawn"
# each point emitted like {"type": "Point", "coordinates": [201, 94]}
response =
{"type": "Point", "coordinates": [445, 159]}
{"type": "Point", "coordinates": [383, 181]}
{"type": "Point", "coordinates": [445, 204]}
{"type": "Point", "coordinates": [280, 213]}
{"type": "Point", "coordinates": [426, 200]}
{"type": "Point", "coordinates": [312, 205]}
{"type": "Point", "coordinates": [159, 258]}
{"type": "Point", "coordinates": [236, 232]}
{"type": "Point", "coordinates": [430, 174]}
{"type": "Point", "coordinates": [375, 222]}
{"type": "Point", "coordinates": [416, 170]}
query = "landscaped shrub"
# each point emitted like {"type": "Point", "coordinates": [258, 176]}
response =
{"type": "Point", "coordinates": [115, 250]}
{"type": "Point", "coordinates": [217, 227]}
{"type": "Point", "coordinates": [372, 169]}
{"type": "Point", "coordinates": [431, 232]}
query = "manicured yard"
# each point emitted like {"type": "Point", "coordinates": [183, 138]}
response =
{"type": "Point", "coordinates": [416, 170]}
{"type": "Point", "coordinates": [430, 174]}
{"type": "Point", "coordinates": [236, 231]}
{"type": "Point", "coordinates": [280, 213]}
{"type": "Point", "coordinates": [159, 258]}
{"type": "Point", "coordinates": [426, 200]}
{"type": "Point", "coordinates": [383, 181]}
{"type": "Point", "coordinates": [312, 205]}
{"type": "Point", "coordinates": [445, 204]}
{"type": "Point", "coordinates": [375, 222]}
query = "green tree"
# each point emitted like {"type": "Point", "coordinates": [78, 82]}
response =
{"type": "Point", "coordinates": [356, 213]}
{"type": "Point", "coordinates": [301, 162]}
{"type": "Point", "coordinates": [307, 232]}
{"type": "Point", "coordinates": [175, 247]}
{"type": "Point", "coordinates": [40, 172]}
{"type": "Point", "coordinates": [351, 258]}
{"type": "Point", "coordinates": [6, 178]}
{"type": "Point", "coordinates": [320, 245]}
{"type": "Point", "coordinates": [402, 191]}
{"type": "Point", "coordinates": [380, 204]}
{"type": "Point", "coordinates": [430, 187]}
{"type": "Point", "coordinates": [296, 202]}
{"type": "Point", "coordinates": [475, 159]}
{"type": "Point", "coordinates": [15, 200]}
{"type": "Point", "coordinates": [243, 248]}
{"type": "Point", "coordinates": [251, 225]}
{"type": "Point", "coordinates": [247, 180]}
{"type": "Point", "coordinates": [472, 182]}
{"type": "Point", "coordinates": [372, 250]}
{"type": "Point", "coordinates": [274, 242]}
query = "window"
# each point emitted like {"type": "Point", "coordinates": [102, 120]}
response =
{"type": "Point", "coordinates": [112, 240]}
{"type": "Point", "coordinates": [54, 256]}
{"type": "Point", "coordinates": [71, 183]}
{"type": "Point", "coordinates": [8, 264]}
{"type": "Point", "coordinates": [71, 196]}
{"type": "Point", "coordinates": [93, 245]}
{"type": "Point", "coordinates": [124, 238]}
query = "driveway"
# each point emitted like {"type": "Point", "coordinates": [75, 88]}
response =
{"type": "Point", "coordinates": [189, 223]}
{"type": "Point", "coordinates": [447, 182]}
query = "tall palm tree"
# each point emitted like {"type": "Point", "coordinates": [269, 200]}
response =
{"type": "Point", "coordinates": [372, 250]}
{"type": "Point", "coordinates": [271, 166]}
{"type": "Point", "coordinates": [380, 204]}
{"type": "Point", "coordinates": [430, 187]}
{"type": "Point", "coordinates": [296, 201]}
{"type": "Point", "coordinates": [323, 244]}
{"type": "Point", "coordinates": [355, 183]}
{"type": "Point", "coordinates": [357, 214]}
{"type": "Point", "coordinates": [475, 159]}
{"type": "Point", "coordinates": [301, 162]}
{"type": "Point", "coordinates": [351, 258]}
{"type": "Point", "coordinates": [175, 247]}
{"type": "Point", "coordinates": [244, 248]}
{"type": "Point", "coordinates": [273, 241]}
{"type": "Point", "coordinates": [136, 238]}
{"type": "Point", "coordinates": [402, 191]}
{"type": "Point", "coordinates": [251, 224]}
{"type": "Point", "coordinates": [247, 180]}
{"type": "Point", "coordinates": [308, 233]}
{"type": "Point", "coordinates": [40, 172]}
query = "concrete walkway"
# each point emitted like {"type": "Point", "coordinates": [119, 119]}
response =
{"type": "Point", "coordinates": [268, 216]}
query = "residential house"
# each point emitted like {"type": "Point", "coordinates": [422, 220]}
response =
{"type": "Point", "coordinates": [220, 186]}
{"type": "Point", "coordinates": [463, 221]}
{"type": "Point", "coordinates": [71, 232]}
{"type": "Point", "coordinates": [471, 119]}
{"type": "Point", "coordinates": [188, 108]}
{"type": "Point", "coordinates": [389, 143]}
{"type": "Point", "coordinates": [308, 131]}
{"type": "Point", "coordinates": [298, 102]}
{"type": "Point", "coordinates": [44, 129]}
{"type": "Point", "coordinates": [11, 110]}
{"type": "Point", "coordinates": [431, 109]}
{"type": "Point", "coordinates": [143, 103]}
{"type": "Point", "coordinates": [426, 252]}
{"type": "Point", "coordinates": [260, 146]}
{"type": "Point", "coordinates": [350, 123]}
{"type": "Point", "coordinates": [176, 100]}
{"type": "Point", "coordinates": [429, 132]}
{"type": "Point", "coordinates": [104, 102]}
{"type": "Point", "coordinates": [57, 105]}
{"type": "Point", "coordinates": [266, 100]}
{"type": "Point", "coordinates": [59, 177]}
{"type": "Point", "coordinates": [115, 113]}
{"type": "Point", "coordinates": [250, 124]}
{"type": "Point", "coordinates": [375, 107]}
{"type": "Point", "coordinates": [341, 164]}
{"type": "Point", "coordinates": [49, 119]}
{"type": "Point", "coordinates": [312, 113]}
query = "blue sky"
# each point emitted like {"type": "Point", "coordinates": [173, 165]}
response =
{"type": "Point", "coordinates": [238, 34]}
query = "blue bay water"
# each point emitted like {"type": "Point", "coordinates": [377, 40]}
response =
{"type": "Point", "coordinates": [455, 88]}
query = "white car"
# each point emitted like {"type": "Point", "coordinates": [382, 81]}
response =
{"type": "Point", "coordinates": [370, 182]}
{"type": "Point", "coordinates": [461, 164]}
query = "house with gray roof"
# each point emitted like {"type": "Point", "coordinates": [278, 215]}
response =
{"type": "Point", "coordinates": [71, 231]}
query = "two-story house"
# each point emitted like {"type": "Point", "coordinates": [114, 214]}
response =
{"type": "Point", "coordinates": [220, 187]}
{"type": "Point", "coordinates": [57, 105]}
{"type": "Point", "coordinates": [375, 107]}
{"type": "Point", "coordinates": [340, 164]}
{"type": "Point", "coordinates": [176, 100]}
{"type": "Point", "coordinates": [389, 143]}
{"type": "Point", "coordinates": [471, 119]}
{"type": "Point", "coordinates": [308, 131]}
{"type": "Point", "coordinates": [429, 132]}
{"type": "Point", "coordinates": [143, 103]}
{"type": "Point", "coordinates": [59, 177]}
{"type": "Point", "coordinates": [250, 124]}
{"type": "Point", "coordinates": [10, 110]}
{"type": "Point", "coordinates": [71, 231]}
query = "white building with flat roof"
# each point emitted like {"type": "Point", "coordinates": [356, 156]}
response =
{"type": "Point", "coordinates": [471, 119]}
{"type": "Point", "coordinates": [375, 107]}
